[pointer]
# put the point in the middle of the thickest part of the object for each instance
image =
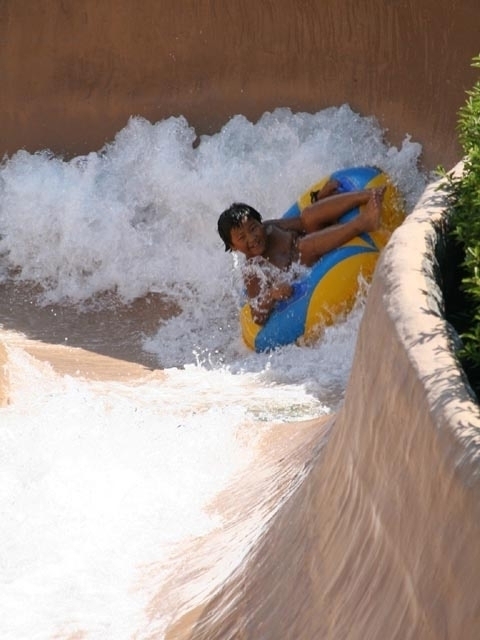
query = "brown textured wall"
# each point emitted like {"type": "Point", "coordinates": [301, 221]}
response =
{"type": "Point", "coordinates": [73, 71]}
{"type": "Point", "coordinates": [381, 541]}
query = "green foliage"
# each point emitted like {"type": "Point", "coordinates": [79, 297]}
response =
{"type": "Point", "coordinates": [463, 201]}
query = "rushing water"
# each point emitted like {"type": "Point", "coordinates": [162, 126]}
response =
{"type": "Point", "coordinates": [100, 479]}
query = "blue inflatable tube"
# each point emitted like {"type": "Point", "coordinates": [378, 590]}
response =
{"type": "Point", "coordinates": [331, 285]}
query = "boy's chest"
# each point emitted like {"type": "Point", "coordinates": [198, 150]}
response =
{"type": "Point", "coordinates": [280, 246]}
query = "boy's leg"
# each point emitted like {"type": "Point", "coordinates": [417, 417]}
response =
{"type": "Point", "coordinates": [312, 246]}
{"type": "Point", "coordinates": [328, 189]}
{"type": "Point", "coordinates": [329, 210]}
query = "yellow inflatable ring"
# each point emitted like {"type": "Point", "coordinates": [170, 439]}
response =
{"type": "Point", "coordinates": [331, 286]}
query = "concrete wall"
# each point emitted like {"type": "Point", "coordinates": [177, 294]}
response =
{"type": "Point", "coordinates": [74, 71]}
{"type": "Point", "coordinates": [382, 538]}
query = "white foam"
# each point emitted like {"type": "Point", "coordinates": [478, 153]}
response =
{"type": "Point", "coordinates": [98, 480]}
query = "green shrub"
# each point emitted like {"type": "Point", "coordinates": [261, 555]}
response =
{"type": "Point", "coordinates": [463, 201]}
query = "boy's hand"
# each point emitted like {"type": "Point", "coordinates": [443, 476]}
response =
{"type": "Point", "coordinates": [281, 291]}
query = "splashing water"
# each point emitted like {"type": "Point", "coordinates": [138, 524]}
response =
{"type": "Point", "coordinates": [99, 479]}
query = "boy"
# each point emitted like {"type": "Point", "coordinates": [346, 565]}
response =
{"type": "Point", "coordinates": [273, 247]}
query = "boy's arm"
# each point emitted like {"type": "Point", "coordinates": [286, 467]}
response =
{"type": "Point", "coordinates": [289, 224]}
{"type": "Point", "coordinates": [263, 301]}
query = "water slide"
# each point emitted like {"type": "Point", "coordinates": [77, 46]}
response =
{"type": "Point", "coordinates": [344, 504]}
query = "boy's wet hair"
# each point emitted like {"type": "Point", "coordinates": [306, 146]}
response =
{"type": "Point", "coordinates": [232, 218]}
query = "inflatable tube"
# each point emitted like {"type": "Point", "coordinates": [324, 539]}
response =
{"type": "Point", "coordinates": [331, 286]}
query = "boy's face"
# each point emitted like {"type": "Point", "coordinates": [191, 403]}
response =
{"type": "Point", "coordinates": [249, 238]}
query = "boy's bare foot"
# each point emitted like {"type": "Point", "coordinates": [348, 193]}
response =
{"type": "Point", "coordinates": [369, 215]}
